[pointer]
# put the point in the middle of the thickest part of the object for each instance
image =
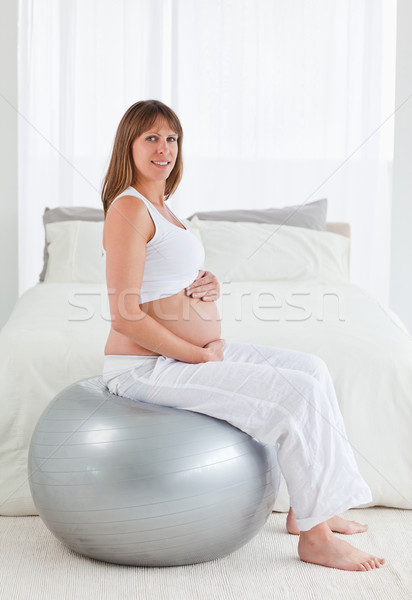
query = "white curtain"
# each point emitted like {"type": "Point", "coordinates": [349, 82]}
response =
{"type": "Point", "coordinates": [281, 103]}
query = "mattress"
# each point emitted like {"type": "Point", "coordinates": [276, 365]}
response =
{"type": "Point", "coordinates": [56, 336]}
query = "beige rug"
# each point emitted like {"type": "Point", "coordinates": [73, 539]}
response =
{"type": "Point", "coordinates": [34, 565]}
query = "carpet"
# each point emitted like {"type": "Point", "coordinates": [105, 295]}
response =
{"type": "Point", "coordinates": [36, 566]}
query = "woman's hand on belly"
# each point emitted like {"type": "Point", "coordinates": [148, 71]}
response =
{"type": "Point", "coordinates": [216, 350]}
{"type": "Point", "coordinates": [205, 287]}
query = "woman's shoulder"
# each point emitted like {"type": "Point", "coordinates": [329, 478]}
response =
{"type": "Point", "coordinates": [127, 202]}
{"type": "Point", "coordinates": [128, 215]}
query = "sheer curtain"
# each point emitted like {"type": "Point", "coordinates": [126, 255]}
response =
{"type": "Point", "coordinates": [281, 103]}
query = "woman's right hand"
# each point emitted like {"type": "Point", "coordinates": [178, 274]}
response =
{"type": "Point", "coordinates": [215, 350]}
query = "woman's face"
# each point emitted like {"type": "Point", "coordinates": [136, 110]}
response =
{"type": "Point", "coordinates": [155, 152]}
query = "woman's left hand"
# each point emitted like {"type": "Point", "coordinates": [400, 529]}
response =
{"type": "Point", "coordinates": [205, 286]}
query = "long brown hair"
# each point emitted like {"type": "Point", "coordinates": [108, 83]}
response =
{"type": "Point", "coordinates": [122, 171]}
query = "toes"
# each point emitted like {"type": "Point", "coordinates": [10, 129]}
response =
{"type": "Point", "coordinates": [375, 562]}
{"type": "Point", "coordinates": [372, 563]}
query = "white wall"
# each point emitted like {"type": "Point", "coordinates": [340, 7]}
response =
{"type": "Point", "coordinates": [401, 228]}
{"type": "Point", "coordinates": [8, 158]}
{"type": "Point", "coordinates": [401, 247]}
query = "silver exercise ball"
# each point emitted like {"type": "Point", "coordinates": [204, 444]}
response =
{"type": "Point", "coordinates": [139, 484]}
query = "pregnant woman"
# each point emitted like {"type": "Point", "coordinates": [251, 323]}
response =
{"type": "Point", "coordinates": [164, 345]}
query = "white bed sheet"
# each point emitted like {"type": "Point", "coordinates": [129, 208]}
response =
{"type": "Point", "coordinates": [57, 332]}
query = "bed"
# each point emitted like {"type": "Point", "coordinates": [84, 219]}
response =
{"type": "Point", "coordinates": [283, 284]}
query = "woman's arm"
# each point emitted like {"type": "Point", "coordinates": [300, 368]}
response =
{"type": "Point", "coordinates": [147, 332]}
{"type": "Point", "coordinates": [127, 229]}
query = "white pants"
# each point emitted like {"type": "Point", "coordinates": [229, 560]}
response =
{"type": "Point", "coordinates": [275, 395]}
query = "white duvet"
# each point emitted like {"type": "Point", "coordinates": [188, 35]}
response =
{"type": "Point", "coordinates": [57, 332]}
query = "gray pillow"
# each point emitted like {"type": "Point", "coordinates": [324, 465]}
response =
{"type": "Point", "coordinates": [66, 213]}
{"type": "Point", "coordinates": [311, 215]}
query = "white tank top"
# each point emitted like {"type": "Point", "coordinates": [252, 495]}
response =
{"type": "Point", "coordinates": [173, 255]}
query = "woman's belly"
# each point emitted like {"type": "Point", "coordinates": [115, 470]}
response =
{"type": "Point", "coordinates": [190, 318]}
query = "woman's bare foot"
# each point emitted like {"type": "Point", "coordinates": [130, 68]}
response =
{"type": "Point", "coordinates": [336, 524]}
{"type": "Point", "coordinates": [320, 547]}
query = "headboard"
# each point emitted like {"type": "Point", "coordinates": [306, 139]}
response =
{"type": "Point", "coordinates": [341, 228]}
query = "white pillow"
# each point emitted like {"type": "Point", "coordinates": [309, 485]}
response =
{"type": "Point", "coordinates": [75, 252]}
{"type": "Point", "coordinates": [235, 251]}
{"type": "Point", "coordinates": [240, 251]}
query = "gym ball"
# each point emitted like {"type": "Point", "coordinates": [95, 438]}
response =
{"type": "Point", "coordinates": [134, 483]}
